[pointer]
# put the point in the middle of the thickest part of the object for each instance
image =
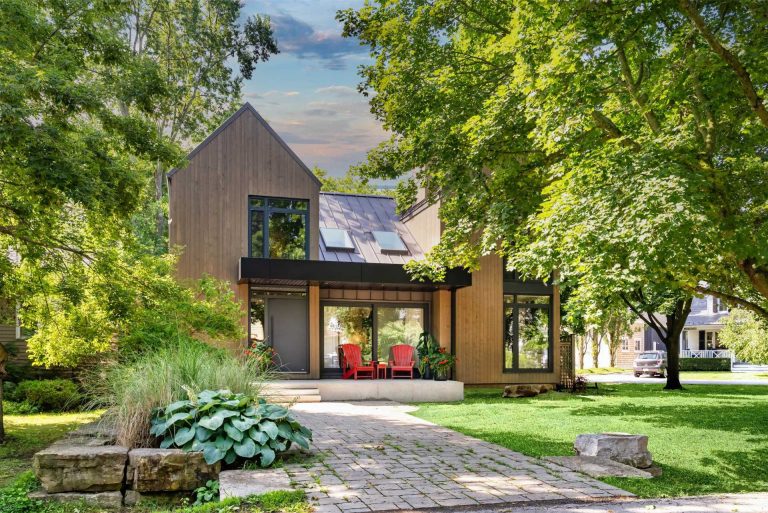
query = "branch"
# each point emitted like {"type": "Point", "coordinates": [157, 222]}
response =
{"type": "Point", "coordinates": [736, 300]}
{"type": "Point", "coordinates": [611, 130]}
{"type": "Point", "coordinates": [650, 320]}
{"type": "Point", "coordinates": [755, 102]}
{"type": "Point", "coordinates": [634, 92]}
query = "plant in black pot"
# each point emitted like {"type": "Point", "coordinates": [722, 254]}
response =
{"type": "Point", "coordinates": [426, 347]}
{"type": "Point", "coordinates": [441, 364]}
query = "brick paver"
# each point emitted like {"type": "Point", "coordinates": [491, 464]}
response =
{"type": "Point", "coordinates": [376, 457]}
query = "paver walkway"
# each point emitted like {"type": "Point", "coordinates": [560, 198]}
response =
{"type": "Point", "coordinates": [375, 457]}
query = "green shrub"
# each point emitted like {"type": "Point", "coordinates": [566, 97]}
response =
{"type": "Point", "coordinates": [132, 390]}
{"type": "Point", "coordinates": [705, 364]}
{"type": "Point", "coordinates": [9, 391]}
{"type": "Point", "coordinates": [227, 426]}
{"type": "Point", "coordinates": [49, 394]}
{"type": "Point", "coordinates": [22, 408]}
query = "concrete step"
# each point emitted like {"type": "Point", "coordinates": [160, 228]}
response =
{"type": "Point", "coordinates": [285, 399]}
{"type": "Point", "coordinates": [291, 391]}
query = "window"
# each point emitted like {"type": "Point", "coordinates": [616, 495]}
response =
{"type": "Point", "coordinates": [637, 345]}
{"type": "Point", "coordinates": [718, 305]}
{"type": "Point", "coordinates": [390, 242]}
{"type": "Point", "coordinates": [625, 344]}
{"type": "Point", "coordinates": [335, 238]}
{"type": "Point", "coordinates": [527, 333]}
{"type": "Point", "coordinates": [373, 327]}
{"type": "Point", "coordinates": [278, 228]}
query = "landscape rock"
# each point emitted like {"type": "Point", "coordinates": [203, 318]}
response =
{"type": "Point", "coordinates": [602, 467]}
{"type": "Point", "coordinates": [622, 447]}
{"type": "Point", "coordinates": [168, 470]}
{"type": "Point", "coordinates": [104, 499]}
{"type": "Point", "coordinates": [79, 468]}
{"type": "Point", "coordinates": [242, 483]}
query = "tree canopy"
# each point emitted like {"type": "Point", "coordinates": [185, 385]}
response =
{"type": "Point", "coordinates": [746, 335]}
{"type": "Point", "coordinates": [622, 143]}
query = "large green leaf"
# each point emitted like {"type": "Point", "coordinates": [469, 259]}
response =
{"type": "Point", "coordinates": [246, 448]}
{"type": "Point", "coordinates": [202, 433]}
{"type": "Point", "coordinates": [243, 424]}
{"type": "Point", "coordinates": [177, 406]}
{"type": "Point", "coordinates": [267, 456]}
{"type": "Point", "coordinates": [299, 439]}
{"type": "Point", "coordinates": [224, 443]}
{"type": "Point", "coordinates": [285, 430]}
{"type": "Point", "coordinates": [183, 436]}
{"type": "Point", "coordinates": [212, 454]}
{"type": "Point", "coordinates": [167, 442]}
{"type": "Point", "coordinates": [230, 457]}
{"type": "Point", "coordinates": [257, 436]}
{"type": "Point", "coordinates": [233, 432]}
{"type": "Point", "coordinates": [270, 428]}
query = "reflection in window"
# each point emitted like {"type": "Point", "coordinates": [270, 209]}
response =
{"type": "Point", "coordinates": [335, 238]}
{"type": "Point", "coordinates": [346, 325]}
{"type": "Point", "coordinates": [396, 325]}
{"type": "Point", "coordinates": [256, 319]}
{"type": "Point", "coordinates": [278, 228]}
{"type": "Point", "coordinates": [390, 241]}
{"type": "Point", "coordinates": [527, 337]}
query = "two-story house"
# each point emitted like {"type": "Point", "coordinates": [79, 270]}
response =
{"type": "Point", "coordinates": [314, 269]}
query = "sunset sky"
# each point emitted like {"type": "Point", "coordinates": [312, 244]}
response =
{"type": "Point", "coordinates": [308, 91]}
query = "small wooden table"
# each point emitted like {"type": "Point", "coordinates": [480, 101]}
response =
{"type": "Point", "coordinates": [381, 370]}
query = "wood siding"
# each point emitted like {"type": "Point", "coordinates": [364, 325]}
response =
{"type": "Point", "coordinates": [209, 198]}
{"type": "Point", "coordinates": [425, 226]}
{"type": "Point", "coordinates": [441, 317]}
{"type": "Point", "coordinates": [397, 296]}
{"type": "Point", "coordinates": [480, 331]}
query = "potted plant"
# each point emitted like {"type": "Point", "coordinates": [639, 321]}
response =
{"type": "Point", "coordinates": [441, 363]}
{"type": "Point", "coordinates": [426, 347]}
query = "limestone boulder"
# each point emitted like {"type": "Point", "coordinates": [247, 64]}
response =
{"type": "Point", "coordinates": [168, 470]}
{"type": "Point", "coordinates": [111, 500]}
{"type": "Point", "coordinates": [625, 448]}
{"type": "Point", "coordinates": [78, 468]}
{"type": "Point", "coordinates": [242, 483]}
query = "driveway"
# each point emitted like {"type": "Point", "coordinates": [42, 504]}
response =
{"type": "Point", "coordinates": [629, 378]}
{"type": "Point", "coordinates": [376, 457]}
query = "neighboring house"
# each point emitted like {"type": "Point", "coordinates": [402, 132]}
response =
{"type": "Point", "coordinates": [315, 270]}
{"type": "Point", "coordinates": [699, 338]}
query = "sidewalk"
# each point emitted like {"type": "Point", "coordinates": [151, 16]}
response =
{"type": "Point", "coordinates": [734, 503]}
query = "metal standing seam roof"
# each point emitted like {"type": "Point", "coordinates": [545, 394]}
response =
{"type": "Point", "coordinates": [360, 215]}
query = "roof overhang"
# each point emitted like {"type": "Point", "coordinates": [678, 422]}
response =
{"type": "Point", "coordinates": [343, 274]}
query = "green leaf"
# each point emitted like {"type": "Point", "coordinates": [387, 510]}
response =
{"type": "Point", "coordinates": [267, 456]}
{"type": "Point", "coordinates": [299, 439]}
{"type": "Point", "coordinates": [167, 442]}
{"type": "Point", "coordinates": [177, 406]}
{"type": "Point", "coordinates": [246, 448]}
{"type": "Point", "coordinates": [213, 423]}
{"type": "Point", "coordinates": [224, 443]}
{"type": "Point", "coordinates": [231, 457]}
{"type": "Point", "coordinates": [202, 434]}
{"type": "Point", "coordinates": [285, 430]}
{"type": "Point", "coordinates": [257, 436]}
{"type": "Point", "coordinates": [233, 432]}
{"type": "Point", "coordinates": [178, 417]}
{"type": "Point", "coordinates": [270, 428]}
{"type": "Point", "coordinates": [213, 454]}
{"type": "Point", "coordinates": [183, 436]}
{"type": "Point", "coordinates": [243, 425]}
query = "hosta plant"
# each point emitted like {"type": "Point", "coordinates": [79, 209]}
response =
{"type": "Point", "coordinates": [227, 426]}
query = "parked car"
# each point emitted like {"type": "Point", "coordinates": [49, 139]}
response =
{"type": "Point", "coordinates": [651, 362]}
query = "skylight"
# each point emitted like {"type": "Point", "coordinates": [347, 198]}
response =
{"type": "Point", "coordinates": [336, 238]}
{"type": "Point", "coordinates": [390, 241]}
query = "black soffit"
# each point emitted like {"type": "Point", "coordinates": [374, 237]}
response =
{"type": "Point", "coordinates": [269, 270]}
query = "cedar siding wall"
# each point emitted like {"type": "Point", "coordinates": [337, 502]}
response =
{"type": "Point", "coordinates": [480, 331]}
{"type": "Point", "coordinates": [425, 226]}
{"type": "Point", "coordinates": [209, 198]}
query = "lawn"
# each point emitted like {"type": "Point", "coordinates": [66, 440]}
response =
{"type": "Point", "coordinates": [692, 375]}
{"type": "Point", "coordinates": [707, 438]}
{"type": "Point", "coordinates": [27, 434]}
{"type": "Point", "coordinates": [603, 370]}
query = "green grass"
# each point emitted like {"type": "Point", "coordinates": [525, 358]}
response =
{"type": "Point", "coordinates": [707, 438]}
{"type": "Point", "coordinates": [27, 434]}
{"type": "Point", "coordinates": [724, 376]}
{"type": "Point", "coordinates": [603, 370]}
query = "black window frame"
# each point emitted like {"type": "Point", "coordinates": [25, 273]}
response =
{"type": "Point", "coordinates": [516, 332]}
{"type": "Point", "coordinates": [266, 209]}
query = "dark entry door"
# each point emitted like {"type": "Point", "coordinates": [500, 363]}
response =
{"type": "Point", "coordinates": [288, 333]}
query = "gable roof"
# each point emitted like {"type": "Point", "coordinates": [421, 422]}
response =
{"type": "Point", "coordinates": [247, 107]}
{"type": "Point", "coordinates": [360, 215]}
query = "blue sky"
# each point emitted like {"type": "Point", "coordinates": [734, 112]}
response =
{"type": "Point", "coordinates": [308, 92]}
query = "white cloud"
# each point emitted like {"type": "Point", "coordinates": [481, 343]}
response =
{"type": "Point", "coordinates": [337, 90]}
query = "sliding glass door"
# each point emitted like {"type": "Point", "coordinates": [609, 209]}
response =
{"type": "Point", "coordinates": [375, 327]}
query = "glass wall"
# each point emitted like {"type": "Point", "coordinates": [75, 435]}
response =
{"type": "Point", "coordinates": [527, 333]}
{"type": "Point", "coordinates": [374, 327]}
{"type": "Point", "coordinates": [346, 325]}
{"type": "Point", "coordinates": [397, 325]}
{"type": "Point", "coordinates": [278, 228]}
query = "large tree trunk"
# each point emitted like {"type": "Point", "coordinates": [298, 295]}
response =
{"type": "Point", "coordinates": [2, 422]}
{"type": "Point", "coordinates": [675, 324]}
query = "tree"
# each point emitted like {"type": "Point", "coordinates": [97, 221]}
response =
{"type": "Point", "coordinates": [623, 130]}
{"type": "Point", "coordinates": [596, 336]}
{"type": "Point", "coordinates": [192, 45]}
{"type": "Point", "coordinates": [350, 183]}
{"type": "Point", "coordinates": [618, 326]}
{"type": "Point", "coordinates": [746, 335]}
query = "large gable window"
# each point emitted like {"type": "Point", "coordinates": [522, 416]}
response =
{"type": "Point", "coordinates": [277, 228]}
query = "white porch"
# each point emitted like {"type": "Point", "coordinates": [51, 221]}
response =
{"type": "Point", "coordinates": [400, 390]}
{"type": "Point", "coordinates": [706, 353]}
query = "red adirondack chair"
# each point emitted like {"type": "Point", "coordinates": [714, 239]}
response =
{"type": "Point", "coordinates": [352, 363]}
{"type": "Point", "coordinates": [401, 361]}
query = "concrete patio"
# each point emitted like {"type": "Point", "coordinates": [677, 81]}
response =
{"type": "Point", "coordinates": [375, 457]}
